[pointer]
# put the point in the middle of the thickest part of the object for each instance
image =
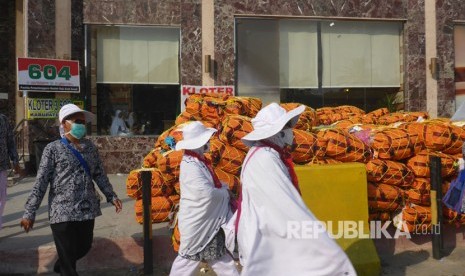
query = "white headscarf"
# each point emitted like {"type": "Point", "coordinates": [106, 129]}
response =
{"type": "Point", "coordinates": [118, 125]}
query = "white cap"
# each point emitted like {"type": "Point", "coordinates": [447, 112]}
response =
{"type": "Point", "coordinates": [69, 109]}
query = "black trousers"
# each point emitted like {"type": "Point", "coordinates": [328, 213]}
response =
{"type": "Point", "coordinates": [73, 241]}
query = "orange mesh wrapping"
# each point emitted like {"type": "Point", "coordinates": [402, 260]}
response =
{"type": "Point", "coordinates": [416, 218]}
{"type": "Point", "coordinates": [344, 147]}
{"type": "Point", "coordinates": [395, 144]}
{"type": "Point", "coordinates": [307, 119]}
{"type": "Point", "coordinates": [381, 216]}
{"type": "Point", "coordinates": [348, 122]}
{"type": "Point", "coordinates": [384, 197]}
{"type": "Point", "coordinates": [216, 149]}
{"type": "Point", "coordinates": [234, 127]}
{"type": "Point", "coordinates": [177, 187]}
{"type": "Point", "coordinates": [194, 104]}
{"type": "Point", "coordinates": [161, 208]}
{"type": "Point", "coordinates": [418, 197]}
{"type": "Point", "coordinates": [452, 216]}
{"type": "Point", "coordinates": [176, 238]}
{"type": "Point", "coordinates": [329, 115]}
{"type": "Point", "coordinates": [253, 105]}
{"type": "Point", "coordinates": [306, 146]}
{"type": "Point", "coordinates": [150, 160]}
{"type": "Point", "coordinates": [168, 163]}
{"type": "Point", "coordinates": [389, 206]}
{"type": "Point", "coordinates": [231, 159]}
{"type": "Point", "coordinates": [234, 106]}
{"type": "Point", "coordinates": [212, 110]}
{"type": "Point", "coordinates": [158, 186]}
{"type": "Point", "coordinates": [385, 192]}
{"type": "Point", "coordinates": [186, 117]}
{"type": "Point", "coordinates": [174, 131]}
{"type": "Point", "coordinates": [457, 138]}
{"type": "Point", "coordinates": [392, 118]}
{"type": "Point", "coordinates": [230, 179]}
{"type": "Point", "coordinates": [438, 136]}
{"type": "Point", "coordinates": [421, 184]}
{"type": "Point", "coordinates": [419, 164]}
{"type": "Point", "coordinates": [389, 172]}
{"type": "Point", "coordinates": [372, 117]}
{"type": "Point", "coordinates": [349, 109]}
{"type": "Point", "coordinates": [323, 161]}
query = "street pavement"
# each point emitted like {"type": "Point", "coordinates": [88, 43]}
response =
{"type": "Point", "coordinates": [118, 244]}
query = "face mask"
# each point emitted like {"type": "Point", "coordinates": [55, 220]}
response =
{"type": "Point", "coordinates": [288, 136]}
{"type": "Point", "coordinates": [77, 130]}
{"type": "Point", "coordinates": [206, 147]}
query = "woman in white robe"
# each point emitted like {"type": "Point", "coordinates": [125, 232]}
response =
{"type": "Point", "coordinates": [203, 209]}
{"type": "Point", "coordinates": [271, 200]}
{"type": "Point", "coordinates": [118, 126]}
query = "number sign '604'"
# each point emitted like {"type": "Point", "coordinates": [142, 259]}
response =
{"type": "Point", "coordinates": [48, 75]}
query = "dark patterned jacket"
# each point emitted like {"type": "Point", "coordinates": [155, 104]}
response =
{"type": "Point", "coordinates": [7, 144]}
{"type": "Point", "coordinates": [72, 195]}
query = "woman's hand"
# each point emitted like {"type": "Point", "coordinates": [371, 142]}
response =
{"type": "Point", "coordinates": [118, 205]}
{"type": "Point", "coordinates": [26, 224]}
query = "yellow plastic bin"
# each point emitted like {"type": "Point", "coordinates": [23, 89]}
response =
{"type": "Point", "coordinates": [338, 193]}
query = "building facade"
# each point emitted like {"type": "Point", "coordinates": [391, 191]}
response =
{"type": "Point", "coordinates": [135, 56]}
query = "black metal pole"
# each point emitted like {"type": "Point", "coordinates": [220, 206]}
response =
{"type": "Point", "coordinates": [146, 177]}
{"type": "Point", "coordinates": [436, 206]}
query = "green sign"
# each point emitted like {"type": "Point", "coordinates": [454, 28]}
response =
{"type": "Point", "coordinates": [47, 108]}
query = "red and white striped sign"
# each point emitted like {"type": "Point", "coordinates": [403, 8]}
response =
{"type": "Point", "coordinates": [48, 75]}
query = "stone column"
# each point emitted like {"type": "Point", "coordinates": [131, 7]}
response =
{"type": "Point", "coordinates": [208, 40]}
{"type": "Point", "coordinates": [21, 51]}
{"type": "Point", "coordinates": [62, 34]}
{"type": "Point", "coordinates": [431, 52]}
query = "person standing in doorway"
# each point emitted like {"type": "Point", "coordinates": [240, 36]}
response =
{"type": "Point", "coordinates": [203, 210]}
{"type": "Point", "coordinates": [70, 166]}
{"type": "Point", "coordinates": [7, 153]}
{"type": "Point", "coordinates": [271, 202]}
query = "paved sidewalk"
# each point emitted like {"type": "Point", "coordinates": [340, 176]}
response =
{"type": "Point", "coordinates": [117, 248]}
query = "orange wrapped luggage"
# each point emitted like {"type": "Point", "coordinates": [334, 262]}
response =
{"type": "Point", "coordinates": [347, 123]}
{"type": "Point", "coordinates": [231, 159]}
{"type": "Point", "coordinates": [169, 164]}
{"type": "Point", "coordinates": [212, 110]}
{"type": "Point", "coordinates": [307, 119]}
{"type": "Point", "coordinates": [344, 147]}
{"type": "Point", "coordinates": [418, 197]}
{"type": "Point", "coordinates": [306, 146]}
{"type": "Point", "coordinates": [349, 109]}
{"type": "Point", "coordinates": [421, 184]}
{"type": "Point", "coordinates": [392, 118]}
{"type": "Point", "coordinates": [395, 144]}
{"type": "Point", "coordinates": [158, 186]}
{"type": "Point", "coordinates": [234, 127]}
{"type": "Point", "coordinates": [416, 218]}
{"type": "Point", "coordinates": [174, 131]}
{"type": "Point", "coordinates": [177, 187]}
{"type": "Point", "coordinates": [150, 160]}
{"type": "Point", "coordinates": [194, 104]}
{"type": "Point", "coordinates": [452, 216]}
{"type": "Point", "coordinates": [419, 164]}
{"type": "Point", "coordinates": [176, 238]}
{"type": "Point", "coordinates": [379, 215]}
{"type": "Point", "coordinates": [438, 136]}
{"type": "Point", "coordinates": [372, 117]}
{"type": "Point", "coordinates": [230, 179]}
{"type": "Point", "coordinates": [385, 192]}
{"type": "Point", "coordinates": [382, 197]}
{"type": "Point", "coordinates": [389, 172]}
{"type": "Point", "coordinates": [323, 161]}
{"type": "Point", "coordinates": [161, 208]}
{"type": "Point", "coordinates": [457, 138]}
{"type": "Point", "coordinates": [185, 117]}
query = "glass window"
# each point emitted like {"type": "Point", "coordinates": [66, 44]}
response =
{"type": "Point", "coordinates": [319, 63]}
{"type": "Point", "coordinates": [134, 79]}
